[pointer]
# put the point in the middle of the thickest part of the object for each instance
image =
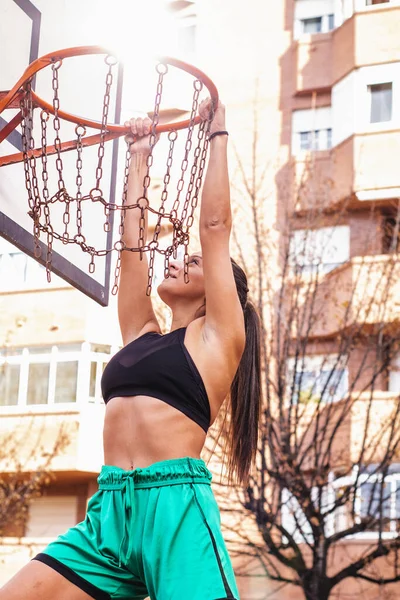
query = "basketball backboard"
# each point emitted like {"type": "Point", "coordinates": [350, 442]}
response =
{"type": "Point", "coordinates": [31, 29]}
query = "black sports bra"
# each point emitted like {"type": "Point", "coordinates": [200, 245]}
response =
{"type": "Point", "coordinates": [159, 366]}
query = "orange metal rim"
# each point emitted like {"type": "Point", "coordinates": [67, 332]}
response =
{"type": "Point", "coordinates": [48, 59]}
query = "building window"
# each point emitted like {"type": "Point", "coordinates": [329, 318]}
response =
{"type": "Point", "coordinates": [319, 139]}
{"type": "Point", "coordinates": [313, 25]}
{"type": "Point", "coordinates": [38, 383]}
{"type": "Point", "coordinates": [374, 498]}
{"type": "Point", "coordinates": [376, 501]}
{"type": "Point", "coordinates": [9, 384]}
{"type": "Point", "coordinates": [311, 130]}
{"type": "Point", "coordinates": [318, 24]}
{"type": "Point", "coordinates": [372, 2]}
{"type": "Point", "coordinates": [378, 498]}
{"type": "Point", "coordinates": [391, 234]}
{"type": "Point", "coordinates": [293, 518]}
{"type": "Point", "coordinates": [319, 250]}
{"type": "Point", "coordinates": [394, 374]}
{"type": "Point", "coordinates": [313, 17]}
{"type": "Point", "coordinates": [324, 385]}
{"type": "Point", "coordinates": [381, 95]}
{"type": "Point", "coordinates": [66, 381]}
{"type": "Point", "coordinates": [318, 379]}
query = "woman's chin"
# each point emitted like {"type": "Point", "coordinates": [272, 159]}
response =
{"type": "Point", "coordinates": [163, 291]}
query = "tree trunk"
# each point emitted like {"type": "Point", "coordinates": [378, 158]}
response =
{"type": "Point", "coordinates": [316, 589]}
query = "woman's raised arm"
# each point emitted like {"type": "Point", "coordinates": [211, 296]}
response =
{"type": "Point", "coordinates": [224, 314]}
{"type": "Point", "coordinates": [135, 309]}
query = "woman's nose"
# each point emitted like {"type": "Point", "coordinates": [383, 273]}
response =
{"type": "Point", "coordinates": [175, 265]}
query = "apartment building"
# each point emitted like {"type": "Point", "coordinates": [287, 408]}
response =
{"type": "Point", "coordinates": [323, 78]}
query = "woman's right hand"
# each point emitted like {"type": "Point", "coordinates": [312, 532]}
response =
{"type": "Point", "coordinates": [139, 136]}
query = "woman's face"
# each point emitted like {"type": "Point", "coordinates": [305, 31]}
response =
{"type": "Point", "coordinates": [174, 286]}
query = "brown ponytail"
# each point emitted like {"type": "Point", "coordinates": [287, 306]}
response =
{"type": "Point", "coordinates": [244, 402]}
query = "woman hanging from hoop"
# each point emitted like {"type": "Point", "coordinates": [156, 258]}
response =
{"type": "Point", "coordinates": [153, 528]}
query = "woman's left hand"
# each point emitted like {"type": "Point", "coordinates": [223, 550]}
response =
{"type": "Point", "coordinates": [218, 123]}
{"type": "Point", "coordinates": [139, 136]}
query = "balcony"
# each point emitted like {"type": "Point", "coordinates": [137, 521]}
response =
{"type": "Point", "coordinates": [363, 167]}
{"type": "Point", "coordinates": [364, 291]}
{"type": "Point", "coordinates": [368, 37]}
{"type": "Point", "coordinates": [356, 422]}
{"type": "Point", "coordinates": [314, 60]}
{"type": "Point", "coordinates": [48, 393]}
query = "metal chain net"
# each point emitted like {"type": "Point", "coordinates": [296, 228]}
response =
{"type": "Point", "coordinates": [180, 216]}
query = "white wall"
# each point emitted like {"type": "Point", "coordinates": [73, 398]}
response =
{"type": "Point", "coordinates": [343, 108]}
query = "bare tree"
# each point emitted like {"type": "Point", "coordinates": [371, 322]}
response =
{"type": "Point", "coordinates": [24, 476]}
{"type": "Point", "coordinates": [26, 457]}
{"type": "Point", "coordinates": [328, 468]}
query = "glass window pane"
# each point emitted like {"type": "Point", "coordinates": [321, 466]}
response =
{"type": "Point", "coordinates": [38, 383]}
{"type": "Point", "coordinates": [331, 22]}
{"type": "Point", "coordinates": [9, 384]}
{"type": "Point", "coordinates": [381, 102]}
{"type": "Point", "coordinates": [333, 384]}
{"type": "Point", "coordinates": [315, 140]}
{"type": "Point", "coordinates": [92, 383]}
{"type": "Point", "coordinates": [313, 25]}
{"type": "Point", "coordinates": [305, 140]}
{"type": "Point", "coordinates": [306, 387]}
{"type": "Point", "coordinates": [373, 505]}
{"type": "Point", "coordinates": [329, 138]}
{"type": "Point", "coordinates": [66, 380]}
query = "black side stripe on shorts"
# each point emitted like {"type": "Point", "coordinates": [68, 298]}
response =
{"type": "Point", "coordinates": [229, 595]}
{"type": "Point", "coordinates": [73, 577]}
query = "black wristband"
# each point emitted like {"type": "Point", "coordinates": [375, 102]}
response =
{"type": "Point", "coordinates": [210, 137]}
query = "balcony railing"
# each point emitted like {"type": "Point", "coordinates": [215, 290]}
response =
{"type": "Point", "coordinates": [50, 393]}
{"type": "Point", "coordinates": [58, 375]}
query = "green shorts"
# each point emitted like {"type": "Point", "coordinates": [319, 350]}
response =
{"type": "Point", "coordinates": [148, 532]}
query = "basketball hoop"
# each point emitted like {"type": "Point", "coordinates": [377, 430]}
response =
{"type": "Point", "coordinates": [35, 159]}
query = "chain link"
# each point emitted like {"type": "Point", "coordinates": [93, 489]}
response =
{"type": "Point", "coordinates": [26, 109]}
{"type": "Point", "coordinates": [104, 120]}
{"type": "Point", "coordinates": [181, 218]}
{"type": "Point", "coordinates": [56, 123]}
